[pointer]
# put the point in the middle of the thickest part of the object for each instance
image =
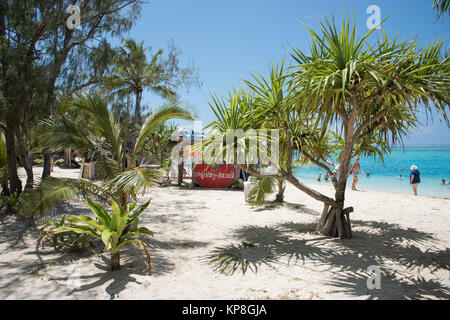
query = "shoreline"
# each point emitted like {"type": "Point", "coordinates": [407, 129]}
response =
{"type": "Point", "coordinates": [348, 189]}
{"type": "Point", "coordinates": [73, 173]}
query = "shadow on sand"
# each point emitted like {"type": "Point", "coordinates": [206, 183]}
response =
{"type": "Point", "coordinates": [93, 272]}
{"type": "Point", "coordinates": [345, 263]}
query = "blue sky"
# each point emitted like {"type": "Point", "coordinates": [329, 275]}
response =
{"type": "Point", "coordinates": [229, 39]}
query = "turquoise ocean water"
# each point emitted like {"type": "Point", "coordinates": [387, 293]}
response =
{"type": "Point", "coordinates": [433, 163]}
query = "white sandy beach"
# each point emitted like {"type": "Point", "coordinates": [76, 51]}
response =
{"type": "Point", "coordinates": [407, 237]}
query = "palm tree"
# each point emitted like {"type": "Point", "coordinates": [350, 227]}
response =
{"type": "Point", "coordinates": [160, 144]}
{"type": "Point", "coordinates": [133, 74]}
{"type": "Point", "coordinates": [266, 105]}
{"type": "Point", "coordinates": [271, 101]}
{"type": "Point", "coordinates": [104, 139]}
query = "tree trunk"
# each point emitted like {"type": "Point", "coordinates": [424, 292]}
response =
{"type": "Point", "coordinates": [26, 156]}
{"type": "Point", "coordinates": [335, 222]}
{"type": "Point", "coordinates": [47, 165]}
{"type": "Point", "coordinates": [192, 158]}
{"type": "Point", "coordinates": [280, 195]}
{"type": "Point", "coordinates": [28, 166]}
{"type": "Point", "coordinates": [115, 261]}
{"type": "Point", "coordinates": [67, 158]}
{"type": "Point", "coordinates": [137, 116]}
{"type": "Point", "coordinates": [15, 182]}
{"type": "Point", "coordinates": [180, 165]}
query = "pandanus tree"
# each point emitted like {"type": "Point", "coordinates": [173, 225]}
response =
{"type": "Point", "coordinates": [350, 97]}
{"type": "Point", "coordinates": [365, 91]}
{"type": "Point", "coordinates": [265, 105]}
{"type": "Point", "coordinates": [104, 138]}
{"type": "Point", "coordinates": [271, 99]}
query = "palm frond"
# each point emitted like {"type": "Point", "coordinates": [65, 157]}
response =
{"type": "Point", "coordinates": [59, 132]}
{"type": "Point", "coordinates": [134, 181]}
{"type": "Point", "coordinates": [260, 187]}
{"type": "Point", "coordinates": [53, 191]}
{"type": "Point", "coordinates": [441, 7]}
{"type": "Point", "coordinates": [163, 113]}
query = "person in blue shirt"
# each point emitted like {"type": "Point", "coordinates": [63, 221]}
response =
{"type": "Point", "coordinates": [415, 178]}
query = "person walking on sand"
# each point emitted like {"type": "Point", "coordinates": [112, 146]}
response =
{"type": "Point", "coordinates": [415, 178]}
{"type": "Point", "coordinates": [354, 170]}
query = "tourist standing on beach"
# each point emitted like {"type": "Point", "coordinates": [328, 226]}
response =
{"type": "Point", "coordinates": [354, 170]}
{"type": "Point", "coordinates": [415, 178]}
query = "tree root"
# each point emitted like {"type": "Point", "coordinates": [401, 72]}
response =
{"type": "Point", "coordinates": [335, 222]}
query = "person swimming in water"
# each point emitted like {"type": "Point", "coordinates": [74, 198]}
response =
{"type": "Point", "coordinates": [354, 170]}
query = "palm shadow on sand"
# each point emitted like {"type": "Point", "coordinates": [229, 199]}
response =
{"type": "Point", "coordinates": [133, 262]}
{"type": "Point", "coordinates": [374, 244]}
{"type": "Point", "coordinates": [294, 207]}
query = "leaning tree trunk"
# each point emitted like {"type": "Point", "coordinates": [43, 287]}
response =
{"type": "Point", "coordinates": [115, 261]}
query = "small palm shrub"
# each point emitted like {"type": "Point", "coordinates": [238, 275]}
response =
{"type": "Point", "coordinates": [115, 230]}
{"type": "Point", "coordinates": [11, 202]}
{"type": "Point", "coordinates": [63, 240]}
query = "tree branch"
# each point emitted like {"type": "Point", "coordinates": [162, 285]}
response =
{"type": "Point", "coordinates": [358, 134]}
{"type": "Point", "coordinates": [312, 193]}
{"type": "Point", "coordinates": [323, 166]}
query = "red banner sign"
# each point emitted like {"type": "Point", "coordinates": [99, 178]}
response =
{"type": "Point", "coordinates": [207, 176]}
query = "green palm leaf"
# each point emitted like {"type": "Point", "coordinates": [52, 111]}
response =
{"type": "Point", "coordinates": [53, 191]}
{"type": "Point", "coordinates": [163, 113]}
{"type": "Point", "coordinates": [133, 181]}
{"type": "Point", "coordinates": [260, 187]}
